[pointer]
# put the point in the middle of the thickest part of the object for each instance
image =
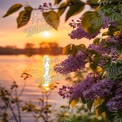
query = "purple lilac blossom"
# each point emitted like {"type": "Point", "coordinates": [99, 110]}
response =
{"type": "Point", "coordinates": [105, 51]}
{"type": "Point", "coordinates": [84, 85]}
{"type": "Point", "coordinates": [102, 49]}
{"type": "Point", "coordinates": [115, 103]}
{"type": "Point", "coordinates": [102, 62]}
{"type": "Point", "coordinates": [79, 33]}
{"type": "Point", "coordinates": [116, 39]}
{"type": "Point", "coordinates": [71, 64]}
{"type": "Point", "coordinates": [65, 91]}
{"type": "Point", "coordinates": [101, 89]}
{"type": "Point", "coordinates": [107, 21]}
{"type": "Point", "coordinates": [118, 89]}
{"type": "Point", "coordinates": [114, 54]}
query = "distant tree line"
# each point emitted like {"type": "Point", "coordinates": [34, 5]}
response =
{"type": "Point", "coordinates": [50, 48]}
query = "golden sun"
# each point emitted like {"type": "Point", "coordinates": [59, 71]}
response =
{"type": "Point", "coordinates": [46, 34]}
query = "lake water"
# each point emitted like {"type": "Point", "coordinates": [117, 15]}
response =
{"type": "Point", "coordinates": [11, 68]}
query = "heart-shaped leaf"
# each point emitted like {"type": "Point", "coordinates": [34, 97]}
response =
{"type": "Point", "coordinates": [52, 18]}
{"type": "Point", "coordinates": [13, 9]}
{"type": "Point", "coordinates": [91, 22]}
{"type": "Point", "coordinates": [74, 9]}
{"type": "Point", "coordinates": [24, 16]}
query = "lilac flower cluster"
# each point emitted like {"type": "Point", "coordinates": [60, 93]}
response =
{"type": "Point", "coordinates": [115, 103]}
{"type": "Point", "coordinates": [101, 48]}
{"type": "Point", "coordinates": [116, 39]}
{"type": "Point", "coordinates": [114, 54]}
{"type": "Point", "coordinates": [71, 64]}
{"type": "Point", "coordinates": [83, 86]}
{"type": "Point", "coordinates": [90, 88]}
{"type": "Point", "coordinates": [79, 32]}
{"type": "Point", "coordinates": [101, 89]}
{"type": "Point", "coordinates": [102, 62]}
{"type": "Point", "coordinates": [106, 21]}
{"type": "Point", "coordinates": [65, 91]}
{"type": "Point", "coordinates": [105, 51]}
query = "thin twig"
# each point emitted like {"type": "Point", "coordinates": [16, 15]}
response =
{"type": "Point", "coordinates": [90, 58]}
{"type": "Point", "coordinates": [14, 115]}
{"type": "Point", "coordinates": [46, 96]}
{"type": "Point", "coordinates": [51, 8]}
{"type": "Point", "coordinates": [17, 104]}
{"type": "Point", "coordinates": [87, 3]}
{"type": "Point", "coordinates": [22, 90]}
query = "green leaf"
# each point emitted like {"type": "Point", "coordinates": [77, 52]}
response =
{"type": "Point", "coordinates": [24, 16]}
{"type": "Point", "coordinates": [112, 30]}
{"type": "Point", "coordinates": [101, 109]}
{"type": "Point", "coordinates": [115, 70]}
{"type": "Point", "coordinates": [57, 1]}
{"type": "Point", "coordinates": [70, 49]}
{"type": "Point", "coordinates": [93, 66]}
{"type": "Point", "coordinates": [120, 25]}
{"type": "Point", "coordinates": [91, 22]}
{"type": "Point", "coordinates": [74, 9]}
{"type": "Point", "coordinates": [52, 18]}
{"type": "Point", "coordinates": [96, 41]}
{"type": "Point", "coordinates": [93, 4]}
{"type": "Point", "coordinates": [105, 33]}
{"type": "Point", "coordinates": [93, 1]}
{"type": "Point", "coordinates": [112, 12]}
{"type": "Point", "coordinates": [96, 57]}
{"type": "Point", "coordinates": [119, 49]}
{"type": "Point", "coordinates": [13, 9]}
{"type": "Point", "coordinates": [83, 100]}
{"type": "Point", "coordinates": [82, 46]}
{"type": "Point", "coordinates": [62, 8]}
{"type": "Point", "coordinates": [66, 49]}
{"type": "Point", "coordinates": [120, 28]}
{"type": "Point", "coordinates": [89, 105]}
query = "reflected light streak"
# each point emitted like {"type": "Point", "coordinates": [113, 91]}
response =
{"type": "Point", "coordinates": [47, 80]}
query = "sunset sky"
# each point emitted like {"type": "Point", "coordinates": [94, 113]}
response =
{"type": "Point", "coordinates": [10, 35]}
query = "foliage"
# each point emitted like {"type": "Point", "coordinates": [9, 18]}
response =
{"type": "Point", "coordinates": [102, 87]}
{"type": "Point", "coordinates": [12, 107]}
{"type": "Point", "coordinates": [24, 16]}
{"type": "Point", "coordinates": [9, 101]}
{"type": "Point", "coordinates": [13, 9]}
{"type": "Point", "coordinates": [42, 112]}
{"type": "Point", "coordinates": [52, 18]}
{"type": "Point", "coordinates": [79, 114]}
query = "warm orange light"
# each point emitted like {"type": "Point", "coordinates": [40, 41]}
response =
{"type": "Point", "coordinates": [46, 34]}
{"type": "Point", "coordinates": [45, 87]}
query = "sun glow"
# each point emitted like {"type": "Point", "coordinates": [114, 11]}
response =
{"type": "Point", "coordinates": [45, 87]}
{"type": "Point", "coordinates": [46, 34]}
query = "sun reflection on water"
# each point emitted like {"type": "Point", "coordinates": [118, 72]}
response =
{"type": "Point", "coordinates": [47, 79]}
